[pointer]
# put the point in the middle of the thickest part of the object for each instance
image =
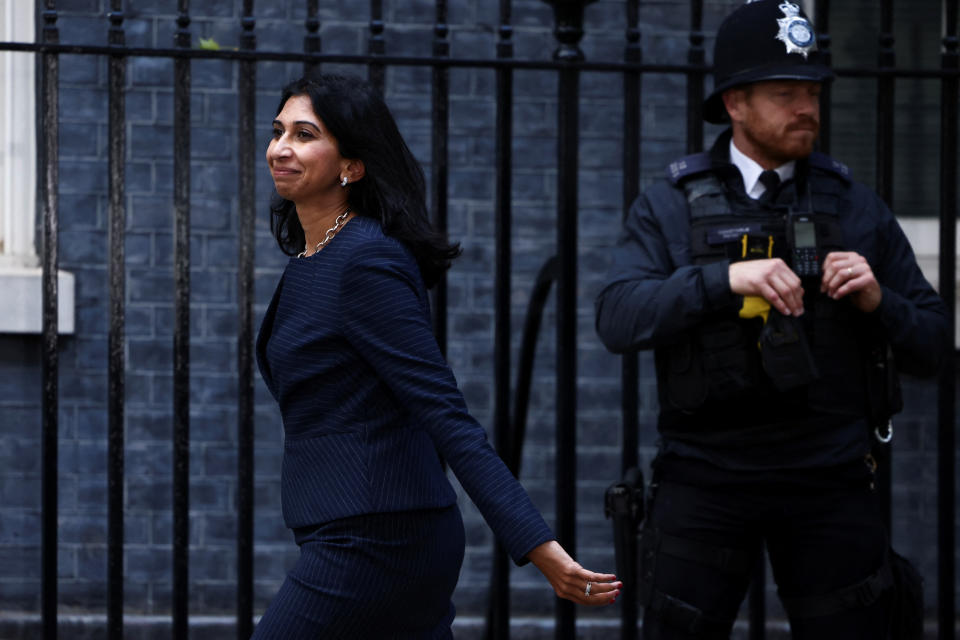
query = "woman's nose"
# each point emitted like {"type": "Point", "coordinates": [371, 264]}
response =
{"type": "Point", "coordinates": [278, 147]}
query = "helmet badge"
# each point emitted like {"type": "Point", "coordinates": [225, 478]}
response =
{"type": "Point", "coordinates": [796, 32]}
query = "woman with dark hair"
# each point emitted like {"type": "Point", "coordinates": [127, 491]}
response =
{"type": "Point", "coordinates": [369, 404]}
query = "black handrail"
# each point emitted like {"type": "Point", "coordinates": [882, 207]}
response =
{"type": "Point", "coordinates": [525, 360]}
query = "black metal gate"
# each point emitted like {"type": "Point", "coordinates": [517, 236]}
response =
{"type": "Point", "coordinates": [569, 64]}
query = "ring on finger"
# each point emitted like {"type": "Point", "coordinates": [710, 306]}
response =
{"type": "Point", "coordinates": [850, 271]}
{"type": "Point", "coordinates": [586, 591]}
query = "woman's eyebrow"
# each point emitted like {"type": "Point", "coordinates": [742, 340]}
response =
{"type": "Point", "coordinates": [307, 122]}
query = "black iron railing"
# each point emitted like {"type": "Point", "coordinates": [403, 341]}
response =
{"type": "Point", "coordinates": [49, 178]}
{"type": "Point", "coordinates": [946, 407]}
{"type": "Point", "coordinates": [568, 63]}
{"type": "Point", "coordinates": [246, 157]}
{"type": "Point", "coordinates": [116, 348]}
{"type": "Point", "coordinates": [498, 617]}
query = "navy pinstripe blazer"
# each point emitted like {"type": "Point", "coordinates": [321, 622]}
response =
{"type": "Point", "coordinates": [347, 349]}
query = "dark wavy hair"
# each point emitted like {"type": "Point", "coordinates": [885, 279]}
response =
{"type": "Point", "coordinates": [393, 189]}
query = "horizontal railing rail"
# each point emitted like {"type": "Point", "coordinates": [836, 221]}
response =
{"type": "Point", "coordinates": [432, 61]}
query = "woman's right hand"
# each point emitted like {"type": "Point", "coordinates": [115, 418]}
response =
{"type": "Point", "coordinates": [570, 581]}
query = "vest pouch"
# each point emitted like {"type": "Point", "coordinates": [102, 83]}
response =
{"type": "Point", "coordinates": [715, 361]}
{"type": "Point", "coordinates": [731, 361]}
{"type": "Point", "coordinates": [785, 353]}
{"type": "Point", "coordinates": [686, 386]}
{"type": "Point", "coordinates": [837, 343]}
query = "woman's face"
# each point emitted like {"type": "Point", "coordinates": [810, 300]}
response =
{"type": "Point", "coordinates": [304, 158]}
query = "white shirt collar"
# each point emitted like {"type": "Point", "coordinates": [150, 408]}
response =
{"type": "Point", "coordinates": [750, 169]}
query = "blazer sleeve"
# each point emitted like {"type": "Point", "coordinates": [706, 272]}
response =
{"type": "Point", "coordinates": [385, 317]}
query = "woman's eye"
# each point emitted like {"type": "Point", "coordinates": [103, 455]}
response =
{"type": "Point", "coordinates": [304, 135]}
{"type": "Point", "coordinates": [277, 133]}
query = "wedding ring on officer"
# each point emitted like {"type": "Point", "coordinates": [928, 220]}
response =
{"type": "Point", "coordinates": [586, 591]}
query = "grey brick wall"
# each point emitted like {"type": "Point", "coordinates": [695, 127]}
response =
{"type": "Point", "coordinates": [83, 189]}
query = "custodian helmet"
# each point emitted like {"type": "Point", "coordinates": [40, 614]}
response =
{"type": "Point", "coordinates": [763, 40]}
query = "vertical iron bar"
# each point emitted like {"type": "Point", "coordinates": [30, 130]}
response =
{"type": "Point", "coordinates": [566, 391]}
{"type": "Point", "coordinates": [822, 24]}
{"type": "Point", "coordinates": [568, 32]}
{"type": "Point", "coordinates": [498, 620]}
{"type": "Point", "coordinates": [884, 169]}
{"type": "Point", "coordinates": [758, 599]}
{"type": "Point", "coordinates": [946, 407]}
{"type": "Point", "coordinates": [49, 186]}
{"type": "Point", "coordinates": [181, 334]}
{"type": "Point", "coordinates": [115, 446]}
{"type": "Point", "coordinates": [438, 166]}
{"type": "Point", "coordinates": [886, 60]}
{"type": "Point", "coordinates": [376, 72]}
{"type": "Point", "coordinates": [311, 41]}
{"type": "Point", "coordinates": [695, 56]}
{"type": "Point", "coordinates": [630, 370]}
{"type": "Point", "coordinates": [246, 153]}
{"type": "Point", "coordinates": [631, 189]}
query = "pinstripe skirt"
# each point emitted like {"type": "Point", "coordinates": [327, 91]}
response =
{"type": "Point", "coordinates": [381, 575]}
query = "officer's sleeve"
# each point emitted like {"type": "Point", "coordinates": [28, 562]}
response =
{"type": "Point", "coordinates": [652, 292]}
{"type": "Point", "coordinates": [913, 316]}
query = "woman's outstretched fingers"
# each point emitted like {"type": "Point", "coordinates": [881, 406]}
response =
{"type": "Point", "coordinates": [601, 593]}
{"type": "Point", "coordinates": [603, 587]}
{"type": "Point", "coordinates": [569, 579]}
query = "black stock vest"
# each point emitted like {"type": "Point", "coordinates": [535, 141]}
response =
{"type": "Point", "coordinates": [712, 382]}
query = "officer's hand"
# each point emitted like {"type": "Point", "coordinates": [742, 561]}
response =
{"type": "Point", "coordinates": [771, 279]}
{"type": "Point", "coordinates": [847, 273]}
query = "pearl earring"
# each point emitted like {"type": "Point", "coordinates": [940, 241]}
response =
{"type": "Point", "coordinates": [343, 181]}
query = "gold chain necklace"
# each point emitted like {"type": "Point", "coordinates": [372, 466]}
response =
{"type": "Point", "coordinates": [330, 233]}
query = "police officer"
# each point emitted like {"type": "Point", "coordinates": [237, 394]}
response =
{"type": "Point", "coordinates": [767, 281]}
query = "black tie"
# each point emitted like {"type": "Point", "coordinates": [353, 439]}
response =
{"type": "Point", "coordinates": [771, 180]}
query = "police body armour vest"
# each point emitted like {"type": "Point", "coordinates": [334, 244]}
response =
{"type": "Point", "coordinates": [718, 363]}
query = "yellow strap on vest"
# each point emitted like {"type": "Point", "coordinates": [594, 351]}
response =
{"type": "Point", "coordinates": [755, 306]}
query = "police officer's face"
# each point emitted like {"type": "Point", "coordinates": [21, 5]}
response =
{"type": "Point", "coordinates": [775, 121]}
